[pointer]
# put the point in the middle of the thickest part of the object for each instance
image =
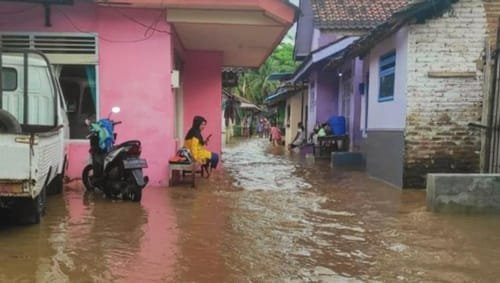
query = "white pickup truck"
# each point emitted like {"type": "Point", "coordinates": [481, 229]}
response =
{"type": "Point", "coordinates": [33, 134]}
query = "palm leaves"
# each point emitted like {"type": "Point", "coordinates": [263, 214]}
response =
{"type": "Point", "coordinates": [255, 85]}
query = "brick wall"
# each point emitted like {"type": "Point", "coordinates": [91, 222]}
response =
{"type": "Point", "coordinates": [437, 138]}
{"type": "Point", "coordinates": [492, 13]}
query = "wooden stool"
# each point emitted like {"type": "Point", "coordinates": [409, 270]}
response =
{"type": "Point", "coordinates": [182, 168]}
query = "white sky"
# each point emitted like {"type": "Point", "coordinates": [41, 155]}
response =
{"type": "Point", "coordinates": [291, 32]}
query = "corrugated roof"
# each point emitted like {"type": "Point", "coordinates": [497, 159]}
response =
{"type": "Point", "coordinates": [353, 14]}
{"type": "Point", "coordinates": [320, 55]}
{"type": "Point", "coordinates": [282, 93]}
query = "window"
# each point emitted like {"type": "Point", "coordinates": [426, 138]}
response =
{"type": "Point", "coordinates": [387, 68]}
{"type": "Point", "coordinates": [78, 83]}
{"type": "Point", "coordinates": [9, 79]}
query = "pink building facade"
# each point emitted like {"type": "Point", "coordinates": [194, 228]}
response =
{"type": "Point", "coordinates": [136, 51]}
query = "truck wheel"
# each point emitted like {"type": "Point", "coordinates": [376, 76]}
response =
{"type": "Point", "coordinates": [9, 123]}
{"type": "Point", "coordinates": [87, 174]}
{"type": "Point", "coordinates": [57, 184]}
{"type": "Point", "coordinates": [135, 196]}
{"type": "Point", "coordinates": [38, 207]}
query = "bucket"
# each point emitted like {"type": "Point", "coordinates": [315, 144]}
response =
{"type": "Point", "coordinates": [337, 124]}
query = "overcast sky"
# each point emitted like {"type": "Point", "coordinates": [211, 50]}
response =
{"type": "Point", "coordinates": [291, 32]}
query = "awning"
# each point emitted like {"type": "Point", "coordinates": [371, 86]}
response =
{"type": "Point", "coordinates": [246, 31]}
{"type": "Point", "coordinates": [244, 105]}
{"type": "Point", "coordinates": [280, 76]}
{"type": "Point", "coordinates": [321, 55]}
{"type": "Point", "coordinates": [282, 93]}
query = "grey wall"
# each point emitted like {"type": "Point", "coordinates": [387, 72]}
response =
{"type": "Point", "coordinates": [463, 192]}
{"type": "Point", "coordinates": [384, 152]}
{"type": "Point", "coordinates": [305, 27]}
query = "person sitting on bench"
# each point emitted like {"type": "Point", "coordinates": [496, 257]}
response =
{"type": "Point", "coordinates": [197, 145]}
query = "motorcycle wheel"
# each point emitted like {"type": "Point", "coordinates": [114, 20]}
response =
{"type": "Point", "coordinates": [87, 174]}
{"type": "Point", "coordinates": [135, 196]}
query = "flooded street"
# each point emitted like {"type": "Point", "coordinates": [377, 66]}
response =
{"type": "Point", "coordinates": [269, 216]}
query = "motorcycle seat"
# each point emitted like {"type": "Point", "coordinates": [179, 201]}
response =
{"type": "Point", "coordinates": [129, 143]}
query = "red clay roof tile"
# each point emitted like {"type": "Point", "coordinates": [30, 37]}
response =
{"type": "Point", "coordinates": [353, 14]}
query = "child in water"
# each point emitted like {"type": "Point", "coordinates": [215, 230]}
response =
{"type": "Point", "coordinates": [275, 135]}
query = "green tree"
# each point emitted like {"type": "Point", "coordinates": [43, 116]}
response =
{"type": "Point", "coordinates": [255, 85]}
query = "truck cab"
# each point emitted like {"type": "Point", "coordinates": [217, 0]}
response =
{"type": "Point", "coordinates": [33, 134]}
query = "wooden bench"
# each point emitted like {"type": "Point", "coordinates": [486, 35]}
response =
{"type": "Point", "coordinates": [327, 144]}
{"type": "Point", "coordinates": [181, 169]}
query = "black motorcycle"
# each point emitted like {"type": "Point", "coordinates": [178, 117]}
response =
{"type": "Point", "coordinates": [116, 170]}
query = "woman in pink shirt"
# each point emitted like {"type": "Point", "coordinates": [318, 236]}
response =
{"type": "Point", "coordinates": [275, 135]}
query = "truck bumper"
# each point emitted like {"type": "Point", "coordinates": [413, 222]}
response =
{"type": "Point", "coordinates": [14, 189]}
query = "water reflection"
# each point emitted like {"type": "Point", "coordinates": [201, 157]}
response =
{"type": "Point", "coordinates": [87, 238]}
{"type": "Point", "coordinates": [269, 217]}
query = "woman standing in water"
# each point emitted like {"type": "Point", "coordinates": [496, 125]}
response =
{"type": "Point", "coordinates": [197, 145]}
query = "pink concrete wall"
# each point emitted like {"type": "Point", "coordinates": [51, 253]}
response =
{"type": "Point", "coordinates": [132, 75]}
{"type": "Point", "coordinates": [136, 77]}
{"type": "Point", "coordinates": [203, 93]}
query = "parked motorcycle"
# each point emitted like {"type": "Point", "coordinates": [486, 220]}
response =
{"type": "Point", "coordinates": [116, 170]}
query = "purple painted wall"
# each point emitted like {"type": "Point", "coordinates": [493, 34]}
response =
{"type": "Point", "coordinates": [202, 93]}
{"type": "Point", "coordinates": [326, 104]}
{"type": "Point", "coordinates": [327, 37]}
{"type": "Point", "coordinates": [327, 93]}
{"type": "Point", "coordinates": [132, 75]}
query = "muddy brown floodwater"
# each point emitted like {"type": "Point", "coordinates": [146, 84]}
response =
{"type": "Point", "coordinates": [269, 216]}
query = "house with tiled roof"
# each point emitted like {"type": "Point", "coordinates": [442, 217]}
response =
{"type": "Point", "coordinates": [427, 96]}
{"type": "Point", "coordinates": [324, 29]}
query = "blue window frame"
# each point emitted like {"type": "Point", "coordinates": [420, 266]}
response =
{"type": "Point", "coordinates": [387, 74]}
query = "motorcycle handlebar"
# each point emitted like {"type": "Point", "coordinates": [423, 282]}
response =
{"type": "Point", "coordinates": [117, 122]}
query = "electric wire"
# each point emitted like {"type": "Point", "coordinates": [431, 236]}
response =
{"type": "Point", "coordinates": [151, 29]}
{"type": "Point", "coordinates": [148, 33]}
{"type": "Point", "coordinates": [132, 19]}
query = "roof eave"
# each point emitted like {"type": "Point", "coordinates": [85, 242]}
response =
{"type": "Point", "coordinates": [422, 10]}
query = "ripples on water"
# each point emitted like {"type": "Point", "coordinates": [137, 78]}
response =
{"type": "Point", "coordinates": [255, 168]}
{"type": "Point", "coordinates": [314, 223]}
{"type": "Point", "coordinates": [269, 217]}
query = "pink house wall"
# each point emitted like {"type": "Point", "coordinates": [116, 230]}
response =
{"type": "Point", "coordinates": [132, 75]}
{"type": "Point", "coordinates": [202, 93]}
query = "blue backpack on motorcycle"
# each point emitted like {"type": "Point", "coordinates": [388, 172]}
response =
{"type": "Point", "coordinates": [104, 130]}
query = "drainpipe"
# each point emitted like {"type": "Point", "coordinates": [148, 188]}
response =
{"type": "Point", "coordinates": [491, 111]}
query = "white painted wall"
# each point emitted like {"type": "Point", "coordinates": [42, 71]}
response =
{"type": "Point", "coordinates": [315, 39]}
{"type": "Point", "coordinates": [311, 101]}
{"type": "Point", "coordinates": [364, 98]}
{"type": "Point", "coordinates": [295, 103]}
{"type": "Point", "coordinates": [389, 115]}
